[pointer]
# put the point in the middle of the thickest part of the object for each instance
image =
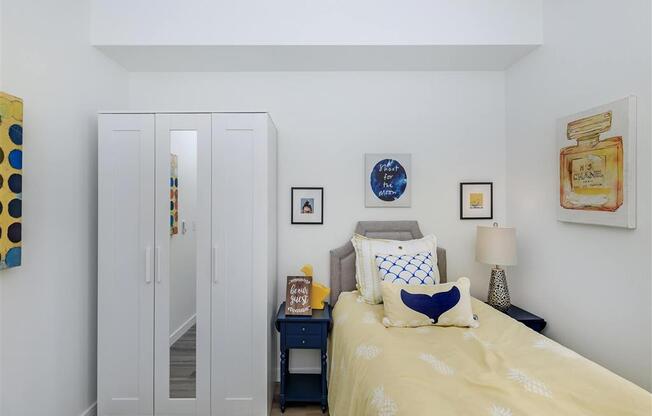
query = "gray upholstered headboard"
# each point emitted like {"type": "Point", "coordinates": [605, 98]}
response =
{"type": "Point", "coordinates": [343, 258]}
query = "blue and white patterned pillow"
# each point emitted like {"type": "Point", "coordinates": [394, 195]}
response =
{"type": "Point", "coordinates": [411, 269]}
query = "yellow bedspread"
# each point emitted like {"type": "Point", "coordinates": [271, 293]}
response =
{"type": "Point", "coordinates": [501, 368]}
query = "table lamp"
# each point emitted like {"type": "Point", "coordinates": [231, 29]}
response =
{"type": "Point", "coordinates": [497, 246]}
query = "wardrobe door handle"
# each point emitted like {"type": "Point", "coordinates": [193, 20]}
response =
{"type": "Point", "coordinates": [214, 264]}
{"type": "Point", "coordinates": [157, 260]}
{"type": "Point", "coordinates": [148, 266]}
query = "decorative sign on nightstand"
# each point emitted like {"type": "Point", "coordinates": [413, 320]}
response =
{"type": "Point", "coordinates": [297, 296]}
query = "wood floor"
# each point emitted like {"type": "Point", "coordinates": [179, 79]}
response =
{"type": "Point", "coordinates": [295, 409]}
{"type": "Point", "coordinates": [183, 366]}
{"type": "Point", "coordinates": [183, 377]}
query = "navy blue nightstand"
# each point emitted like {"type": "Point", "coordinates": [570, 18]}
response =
{"type": "Point", "coordinates": [526, 318]}
{"type": "Point", "coordinates": [304, 332]}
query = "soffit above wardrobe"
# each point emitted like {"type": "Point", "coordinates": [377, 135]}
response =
{"type": "Point", "coordinates": [315, 58]}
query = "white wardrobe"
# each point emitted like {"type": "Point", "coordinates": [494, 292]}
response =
{"type": "Point", "coordinates": [187, 264]}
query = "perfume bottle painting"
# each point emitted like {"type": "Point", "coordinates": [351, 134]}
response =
{"type": "Point", "coordinates": [591, 170]}
{"type": "Point", "coordinates": [597, 165]}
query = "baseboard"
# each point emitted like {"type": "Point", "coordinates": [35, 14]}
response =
{"type": "Point", "coordinates": [183, 329]}
{"type": "Point", "coordinates": [91, 411]}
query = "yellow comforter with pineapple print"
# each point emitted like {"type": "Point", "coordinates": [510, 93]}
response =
{"type": "Point", "coordinates": [501, 368]}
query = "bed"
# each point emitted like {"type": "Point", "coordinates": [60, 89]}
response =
{"type": "Point", "coordinates": [501, 368]}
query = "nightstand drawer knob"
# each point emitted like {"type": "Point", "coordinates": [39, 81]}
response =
{"type": "Point", "coordinates": [303, 329]}
{"type": "Point", "coordinates": [303, 341]}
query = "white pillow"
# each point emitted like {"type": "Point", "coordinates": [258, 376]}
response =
{"type": "Point", "coordinates": [408, 269]}
{"type": "Point", "coordinates": [366, 270]}
{"type": "Point", "coordinates": [448, 304]}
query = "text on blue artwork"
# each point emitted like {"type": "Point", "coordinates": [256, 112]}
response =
{"type": "Point", "coordinates": [388, 180]}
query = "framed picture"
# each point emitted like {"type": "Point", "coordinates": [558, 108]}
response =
{"type": "Point", "coordinates": [307, 205]}
{"type": "Point", "coordinates": [387, 180]}
{"type": "Point", "coordinates": [597, 165]}
{"type": "Point", "coordinates": [297, 296]}
{"type": "Point", "coordinates": [476, 200]}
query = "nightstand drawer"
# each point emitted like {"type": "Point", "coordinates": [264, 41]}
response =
{"type": "Point", "coordinates": [303, 341]}
{"type": "Point", "coordinates": [302, 329]}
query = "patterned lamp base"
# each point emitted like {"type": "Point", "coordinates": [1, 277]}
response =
{"type": "Point", "coordinates": [498, 292]}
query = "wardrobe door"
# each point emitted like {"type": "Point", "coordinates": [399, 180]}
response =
{"type": "Point", "coordinates": [125, 264]}
{"type": "Point", "coordinates": [239, 347]}
{"type": "Point", "coordinates": [183, 264]}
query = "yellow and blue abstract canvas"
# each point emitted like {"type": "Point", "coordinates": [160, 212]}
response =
{"type": "Point", "coordinates": [11, 180]}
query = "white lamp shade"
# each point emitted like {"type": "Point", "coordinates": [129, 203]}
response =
{"type": "Point", "coordinates": [496, 245]}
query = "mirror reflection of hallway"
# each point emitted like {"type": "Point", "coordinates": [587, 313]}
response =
{"type": "Point", "coordinates": [183, 264]}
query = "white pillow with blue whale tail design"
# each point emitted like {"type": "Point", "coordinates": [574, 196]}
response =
{"type": "Point", "coordinates": [447, 304]}
{"type": "Point", "coordinates": [411, 269]}
{"type": "Point", "coordinates": [366, 271]}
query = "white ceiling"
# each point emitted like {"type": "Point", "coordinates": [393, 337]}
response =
{"type": "Point", "coordinates": [300, 35]}
{"type": "Point", "coordinates": [314, 22]}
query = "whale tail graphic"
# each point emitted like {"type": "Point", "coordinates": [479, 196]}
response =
{"type": "Point", "coordinates": [433, 306]}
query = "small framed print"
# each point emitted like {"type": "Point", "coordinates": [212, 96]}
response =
{"type": "Point", "coordinates": [307, 205]}
{"type": "Point", "coordinates": [476, 200]}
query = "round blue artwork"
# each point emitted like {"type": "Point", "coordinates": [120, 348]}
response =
{"type": "Point", "coordinates": [388, 180]}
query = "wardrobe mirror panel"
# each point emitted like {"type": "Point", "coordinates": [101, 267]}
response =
{"type": "Point", "coordinates": [183, 264]}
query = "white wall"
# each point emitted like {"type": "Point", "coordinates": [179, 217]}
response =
{"type": "Point", "coordinates": [1, 89]}
{"type": "Point", "coordinates": [48, 305]}
{"type": "Point", "coordinates": [1, 44]}
{"type": "Point", "coordinates": [300, 22]}
{"type": "Point", "coordinates": [183, 246]}
{"type": "Point", "coordinates": [451, 122]}
{"type": "Point", "coordinates": [591, 283]}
